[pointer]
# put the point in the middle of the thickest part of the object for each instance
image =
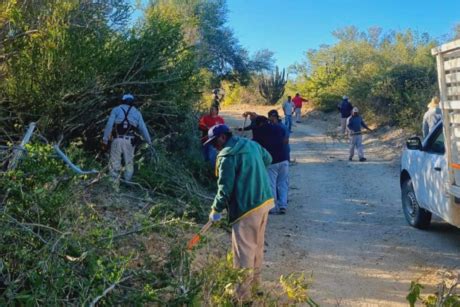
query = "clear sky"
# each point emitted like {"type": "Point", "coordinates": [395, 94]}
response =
{"type": "Point", "coordinates": [291, 27]}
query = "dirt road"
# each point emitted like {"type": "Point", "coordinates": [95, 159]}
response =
{"type": "Point", "coordinates": [345, 226]}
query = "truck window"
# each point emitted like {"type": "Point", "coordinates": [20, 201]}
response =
{"type": "Point", "coordinates": [437, 144]}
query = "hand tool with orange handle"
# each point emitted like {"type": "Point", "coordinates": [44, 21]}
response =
{"type": "Point", "coordinates": [197, 237]}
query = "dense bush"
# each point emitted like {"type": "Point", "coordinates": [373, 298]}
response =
{"type": "Point", "coordinates": [70, 72]}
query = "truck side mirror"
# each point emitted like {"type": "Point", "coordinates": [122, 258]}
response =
{"type": "Point", "coordinates": [414, 143]}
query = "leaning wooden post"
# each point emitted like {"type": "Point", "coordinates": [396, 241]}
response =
{"type": "Point", "coordinates": [19, 151]}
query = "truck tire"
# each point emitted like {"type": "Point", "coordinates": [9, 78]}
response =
{"type": "Point", "coordinates": [415, 215]}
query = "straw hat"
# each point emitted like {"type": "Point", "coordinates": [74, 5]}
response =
{"type": "Point", "coordinates": [434, 103]}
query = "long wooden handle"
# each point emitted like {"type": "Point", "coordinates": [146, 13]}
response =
{"type": "Point", "coordinates": [205, 228]}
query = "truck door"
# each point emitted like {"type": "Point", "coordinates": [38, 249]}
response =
{"type": "Point", "coordinates": [435, 197]}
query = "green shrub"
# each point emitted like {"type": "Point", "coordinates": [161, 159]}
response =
{"type": "Point", "coordinates": [60, 244]}
{"type": "Point", "coordinates": [49, 256]}
{"type": "Point", "coordinates": [445, 296]}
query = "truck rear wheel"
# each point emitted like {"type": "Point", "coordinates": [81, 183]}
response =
{"type": "Point", "coordinates": [415, 215]}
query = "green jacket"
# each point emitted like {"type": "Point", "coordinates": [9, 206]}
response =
{"type": "Point", "coordinates": [243, 183]}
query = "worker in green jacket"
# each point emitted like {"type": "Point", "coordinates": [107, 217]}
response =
{"type": "Point", "coordinates": [243, 188]}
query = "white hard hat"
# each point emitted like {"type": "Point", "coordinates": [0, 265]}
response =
{"type": "Point", "coordinates": [345, 97]}
{"type": "Point", "coordinates": [355, 110]}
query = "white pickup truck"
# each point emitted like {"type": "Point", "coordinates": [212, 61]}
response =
{"type": "Point", "coordinates": [430, 168]}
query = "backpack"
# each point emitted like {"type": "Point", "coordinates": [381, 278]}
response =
{"type": "Point", "coordinates": [124, 127]}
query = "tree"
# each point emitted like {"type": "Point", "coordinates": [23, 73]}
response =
{"type": "Point", "coordinates": [218, 50]}
{"type": "Point", "coordinates": [72, 71]}
{"type": "Point", "coordinates": [457, 31]}
{"type": "Point", "coordinates": [262, 61]}
{"type": "Point", "coordinates": [272, 87]}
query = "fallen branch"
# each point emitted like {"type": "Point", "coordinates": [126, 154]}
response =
{"type": "Point", "coordinates": [136, 230]}
{"type": "Point", "coordinates": [112, 286]}
{"type": "Point", "coordinates": [19, 151]}
{"type": "Point", "coordinates": [67, 161]}
{"type": "Point", "coordinates": [42, 226]}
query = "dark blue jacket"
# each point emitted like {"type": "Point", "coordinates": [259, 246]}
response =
{"type": "Point", "coordinates": [355, 123]}
{"type": "Point", "coordinates": [271, 137]}
{"type": "Point", "coordinates": [345, 108]}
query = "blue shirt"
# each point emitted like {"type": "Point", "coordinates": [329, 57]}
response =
{"type": "Point", "coordinates": [286, 135]}
{"type": "Point", "coordinates": [354, 123]}
{"type": "Point", "coordinates": [134, 117]}
{"type": "Point", "coordinates": [271, 137]}
{"type": "Point", "coordinates": [345, 108]}
{"type": "Point", "coordinates": [285, 129]}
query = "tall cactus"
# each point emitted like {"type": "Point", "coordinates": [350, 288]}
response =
{"type": "Point", "coordinates": [272, 88]}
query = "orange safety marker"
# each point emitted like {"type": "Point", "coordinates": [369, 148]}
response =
{"type": "Point", "coordinates": [197, 237]}
{"type": "Point", "coordinates": [455, 165]}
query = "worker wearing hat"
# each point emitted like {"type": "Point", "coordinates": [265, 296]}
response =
{"type": "Point", "coordinates": [354, 124]}
{"type": "Point", "coordinates": [432, 116]}
{"type": "Point", "coordinates": [126, 119]}
{"type": "Point", "coordinates": [243, 189]}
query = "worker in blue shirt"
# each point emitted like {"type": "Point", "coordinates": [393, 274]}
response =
{"type": "Point", "coordinates": [354, 124]}
{"type": "Point", "coordinates": [126, 119]}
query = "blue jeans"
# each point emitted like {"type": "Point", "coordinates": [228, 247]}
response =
{"type": "Point", "coordinates": [288, 122]}
{"type": "Point", "coordinates": [279, 182]}
{"type": "Point", "coordinates": [210, 154]}
{"type": "Point", "coordinates": [288, 151]}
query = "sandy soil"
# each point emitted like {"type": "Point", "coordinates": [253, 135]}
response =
{"type": "Point", "coordinates": [345, 224]}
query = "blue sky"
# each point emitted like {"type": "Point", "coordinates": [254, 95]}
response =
{"type": "Point", "coordinates": [291, 27]}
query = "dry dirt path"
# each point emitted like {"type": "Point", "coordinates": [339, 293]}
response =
{"type": "Point", "coordinates": [345, 227]}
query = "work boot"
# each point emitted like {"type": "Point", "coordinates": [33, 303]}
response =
{"type": "Point", "coordinates": [362, 159]}
{"type": "Point", "coordinates": [282, 211]}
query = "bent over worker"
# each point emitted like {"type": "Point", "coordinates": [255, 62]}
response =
{"type": "Point", "coordinates": [243, 189]}
{"type": "Point", "coordinates": [126, 119]}
{"type": "Point", "coordinates": [273, 138]}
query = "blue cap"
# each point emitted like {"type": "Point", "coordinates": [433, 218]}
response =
{"type": "Point", "coordinates": [215, 132]}
{"type": "Point", "coordinates": [127, 97]}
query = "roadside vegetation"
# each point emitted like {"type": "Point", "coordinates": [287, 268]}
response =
{"type": "Point", "coordinates": [71, 239]}
{"type": "Point", "coordinates": [391, 76]}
